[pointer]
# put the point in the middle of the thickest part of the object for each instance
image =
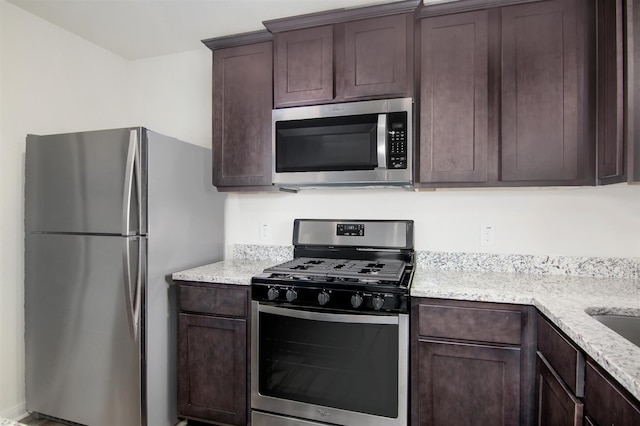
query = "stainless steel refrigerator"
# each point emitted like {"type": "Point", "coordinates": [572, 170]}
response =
{"type": "Point", "coordinates": [109, 215]}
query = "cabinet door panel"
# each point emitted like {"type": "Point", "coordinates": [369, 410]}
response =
{"type": "Point", "coordinates": [464, 384]}
{"type": "Point", "coordinates": [606, 403]}
{"type": "Point", "coordinates": [562, 355]}
{"type": "Point", "coordinates": [212, 376]}
{"type": "Point", "coordinates": [540, 92]}
{"type": "Point", "coordinates": [610, 92]}
{"type": "Point", "coordinates": [454, 98]}
{"type": "Point", "coordinates": [242, 103]}
{"type": "Point", "coordinates": [376, 58]}
{"type": "Point", "coordinates": [556, 403]}
{"type": "Point", "coordinates": [303, 66]}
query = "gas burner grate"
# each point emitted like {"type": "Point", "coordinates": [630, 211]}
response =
{"type": "Point", "coordinates": [364, 270]}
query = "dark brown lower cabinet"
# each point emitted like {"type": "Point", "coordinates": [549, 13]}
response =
{"type": "Point", "coordinates": [557, 405]}
{"type": "Point", "coordinates": [212, 354]}
{"type": "Point", "coordinates": [606, 403]}
{"type": "Point", "coordinates": [473, 363]}
{"type": "Point", "coordinates": [466, 384]}
{"type": "Point", "coordinates": [572, 391]}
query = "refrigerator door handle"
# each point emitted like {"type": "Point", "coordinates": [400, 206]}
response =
{"type": "Point", "coordinates": [132, 296]}
{"type": "Point", "coordinates": [132, 171]}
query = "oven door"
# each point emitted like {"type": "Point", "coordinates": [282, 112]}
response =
{"type": "Point", "coordinates": [343, 369]}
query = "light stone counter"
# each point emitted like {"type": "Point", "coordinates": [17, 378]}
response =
{"type": "Point", "coordinates": [561, 298]}
{"type": "Point", "coordinates": [235, 271]}
{"type": "Point", "coordinates": [565, 300]}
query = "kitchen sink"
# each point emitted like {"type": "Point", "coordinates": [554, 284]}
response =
{"type": "Point", "coordinates": [626, 326]}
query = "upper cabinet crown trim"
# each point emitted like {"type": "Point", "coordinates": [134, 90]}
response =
{"type": "Point", "coordinates": [336, 16]}
{"type": "Point", "coordinates": [448, 7]}
{"type": "Point", "coordinates": [238, 39]}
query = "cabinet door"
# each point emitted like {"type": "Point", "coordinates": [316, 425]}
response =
{"type": "Point", "coordinates": [303, 63]}
{"type": "Point", "coordinates": [557, 405]}
{"type": "Point", "coordinates": [454, 98]}
{"type": "Point", "coordinates": [540, 93]}
{"type": "Point", "coordinates": [212, 370]}
{"type": "Point", "coordinates": [606, 403]}
{"type": "Point", "coordinates": [242, 103]}
{"type": "Point", "coordinates": [376, 57]}
{"type": "Point", "coordinates": [611, 126]}
{"type": "Point", "coordinates": [467, 384]}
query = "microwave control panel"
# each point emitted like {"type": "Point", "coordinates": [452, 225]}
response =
{"type": "Point", "coordinates": [397, 140]}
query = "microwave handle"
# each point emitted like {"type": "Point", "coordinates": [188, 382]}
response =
{"type": "Point", "coordinates": [382, 141]}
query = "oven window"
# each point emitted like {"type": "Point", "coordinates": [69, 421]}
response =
{"type": "Point", "coordinates": [350, 366]}
{"type": "Point", "coordinates": [327, 144]}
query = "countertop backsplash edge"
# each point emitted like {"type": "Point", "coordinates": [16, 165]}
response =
{"type": "Point", "coordinates": [600, 267]}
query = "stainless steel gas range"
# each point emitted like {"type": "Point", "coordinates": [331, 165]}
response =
{"type": "Point", "coordinates": [330, 328]}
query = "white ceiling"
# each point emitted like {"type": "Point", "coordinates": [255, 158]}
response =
{"type": "Point", "coordinates": [136, 29]}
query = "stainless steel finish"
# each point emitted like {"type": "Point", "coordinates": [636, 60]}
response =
{"type": "Point", "coordinates": [376, 177]}
{"type": "Point", "coordinates": [132, 294]}
{"type": "Point", "coordinates": [626, 326]}
{"type": "Point", "coordinates": [329, 414]}
{"type": "Point", "coordinates": [132, 176]}
{"type": "Point", "coordinates": [265, 419]}
{"type": "Point", "coordinates": [382, 141]}
{"type": "Point", "coordinates": [74, 182]}
{"type": "Point", "coordinates": [185, 226]}
{"type": "Point", "coordinates": [327, 317]}
{"type": "Point", "coordinates": [387, 234]}
{"type": "Point", "coordinates": [81, 363]}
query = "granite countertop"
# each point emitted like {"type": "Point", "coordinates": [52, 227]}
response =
{"type": "Point", "coordinates": [564, 299]}
{"type": "Point", "coordinates": [235, 271]}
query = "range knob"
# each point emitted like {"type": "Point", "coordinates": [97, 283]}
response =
{"type": "Point", "coordinates": [291, 295]}
{"type": "Point", "coordinates": [378, 302]}
{"type": "Point", "coordinates": [323, 298]}
{"type": "Point", "coordinates": [273, 293]}
{"type": "Point", "coordinates": [356, 300]}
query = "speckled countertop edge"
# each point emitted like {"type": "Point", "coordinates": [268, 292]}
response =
{"type": "Point", "coordinates": [560, 296]}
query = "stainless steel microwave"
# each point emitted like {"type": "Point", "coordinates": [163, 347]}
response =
{"type": "Point", "coordinates": [368, 143]}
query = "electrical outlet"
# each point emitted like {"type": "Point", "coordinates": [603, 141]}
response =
{"type": "Point", "coordinates": [264, 232]}
{"type": "Point", "coordinates": [487, 235]}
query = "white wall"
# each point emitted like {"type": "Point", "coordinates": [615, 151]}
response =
{"type": "Point", "coordinates": [172, 95]}
{"type": "Point", "coordinates": [50, 82]}
{"type": "Point", "coordinates": [588, 221]}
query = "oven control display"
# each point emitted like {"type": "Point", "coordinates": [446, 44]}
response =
{"type": "Point", "coordinates": [351, 229]}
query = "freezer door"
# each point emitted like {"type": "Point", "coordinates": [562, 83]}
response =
{"type": "Point", "coordinates": [85, 182]}
{"type": "Point", "coordinates": [81, 362]}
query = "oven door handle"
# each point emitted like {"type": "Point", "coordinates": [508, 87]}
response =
{"type": "Point", "coordinates": [329, 317]}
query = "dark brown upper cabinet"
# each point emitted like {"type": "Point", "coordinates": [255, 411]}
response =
{"type": "Point", "coordinates": [303, 66]}
{"type": "Point", "coordinates": [547, 96]}
{"type": "Point", "coordinates": [343, 55]}
{"type": "Point", "coordinates": [632, 70]}
{"type": "Point", "coordinates": [454, 93]}
{"type": "Point", "coordinates": [377, 58]}
{"type": "Point", "coordinates": [611, 129]}
{"type": "Point", "coordinates": [506, 94]}
{"type": "Point", "coordinates": [242, 103]}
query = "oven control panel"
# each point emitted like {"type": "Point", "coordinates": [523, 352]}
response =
{"type": "Point", "coordinates": [350, 229]}
{"type": "Point", "coordinates": [365, 300]}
